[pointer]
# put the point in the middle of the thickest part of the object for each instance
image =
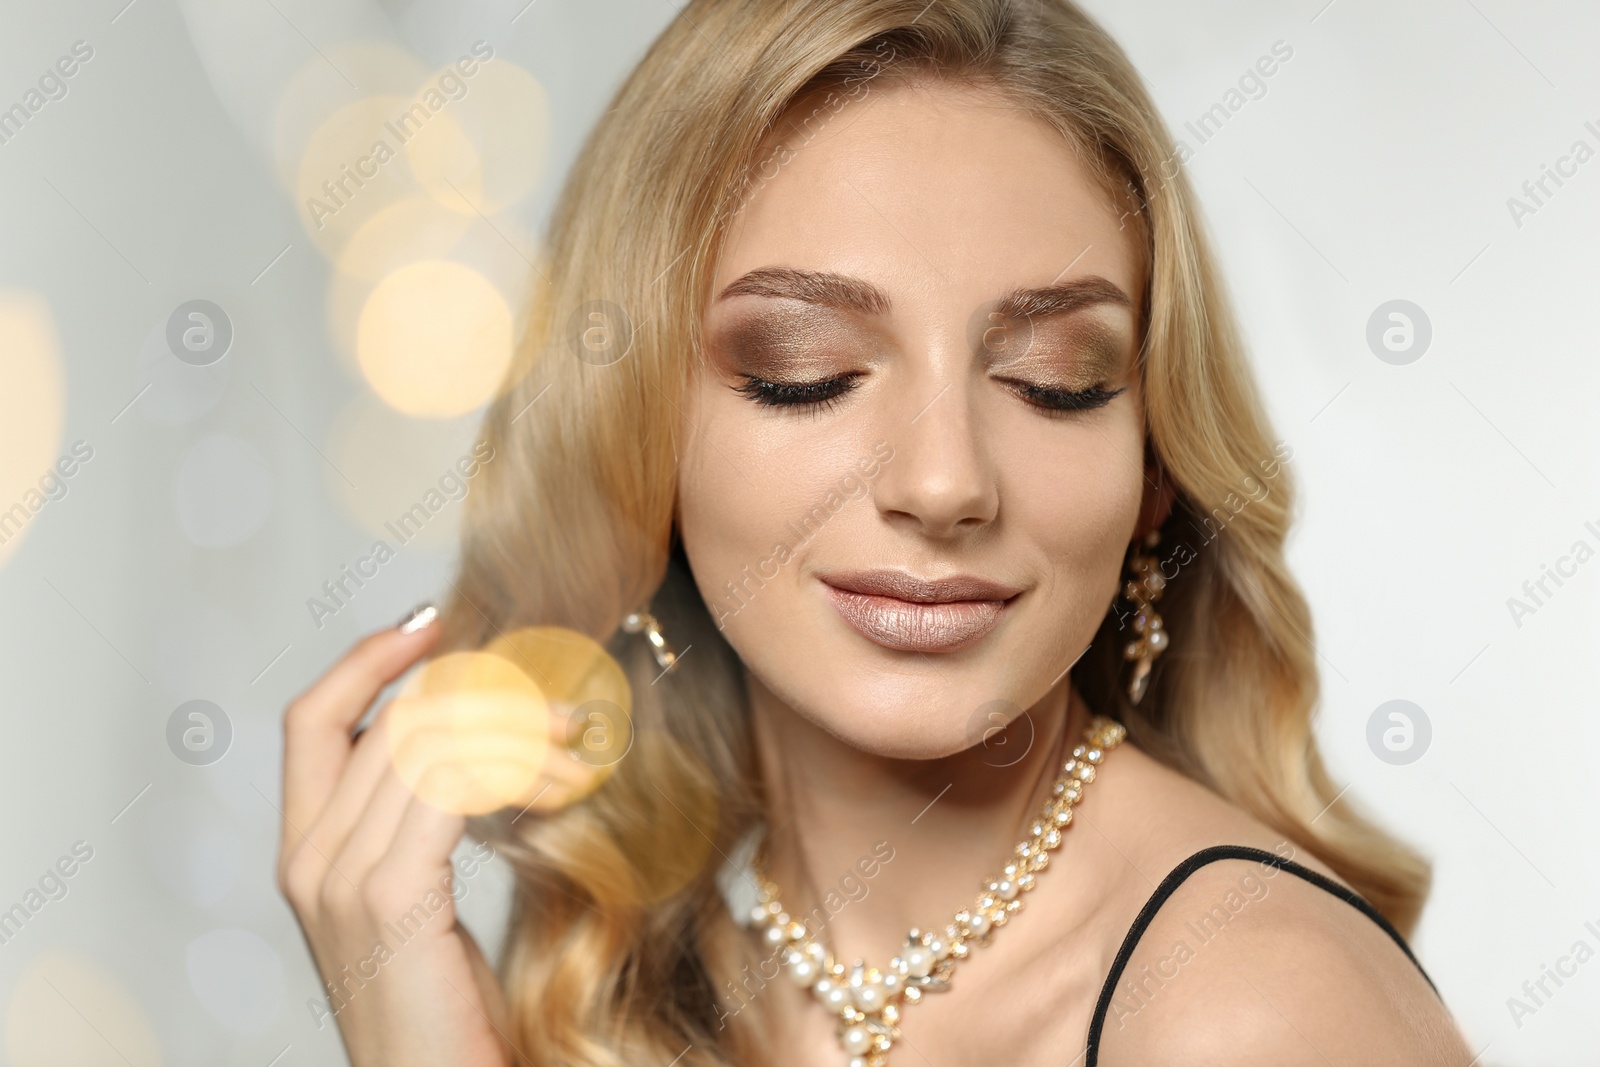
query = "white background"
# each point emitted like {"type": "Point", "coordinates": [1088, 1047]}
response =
{"type": "Point", "coordinates": [1377, 166]}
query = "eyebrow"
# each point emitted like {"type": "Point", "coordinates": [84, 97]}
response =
{"type": "Point", "coordinates": [827, 289]}
{"type": "Point", "coordinates": [822, 288]}
{"type": "Point", "coordinates": [1061, 298]}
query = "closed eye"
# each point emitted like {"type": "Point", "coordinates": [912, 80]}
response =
{"type": "Point", "coordinates": [1057, 401]}
{"type": "Point", "coordinates": [815, 395]}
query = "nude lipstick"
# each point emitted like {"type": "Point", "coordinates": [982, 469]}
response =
{"type": "Point", "coordinates": [908, 614]}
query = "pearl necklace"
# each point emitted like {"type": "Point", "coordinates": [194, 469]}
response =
{"type": "Point", "coordinates": [868, 1001]}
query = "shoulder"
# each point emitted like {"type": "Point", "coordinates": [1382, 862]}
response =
{"type": "Point", "coordinates": [1156, 818]}
{"type": "Point", "coordinates": [1245, 962]}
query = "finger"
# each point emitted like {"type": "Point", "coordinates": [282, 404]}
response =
{"type": "Point", "coordinates": [422, 843]}
{"type": "Point", "coordinates": [343, 862]}
{"type": "Point", "coordinates": [410, 867]}
{"type": "Point", "coordinates": [414, 862]}
{"type": "Point", "coordinates": [363, 772]}
{"type": "Point", "coordinates": [426, 746]}
{"type": "Point", "coordinates": [474, 772]}
{"type": "Point", "coordinates": [317, 725]}
{"type": "Point", "coordinates": [374, 832]}
{"type": "Point", "coordinates": [416, 735]}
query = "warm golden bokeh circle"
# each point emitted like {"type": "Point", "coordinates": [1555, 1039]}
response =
{"type": "Point", "coordinates": [413, 230]}
{"type": "Point", "coordinates": [68, 1009]}
{"type": "Point", "coordinates": [408, 478]}
{"type": "Point", "coordinates": [402, 184]}
{"type": "Point", "coordinates": [341, 182]}
{"type": "Point", "coordinates": [469, 734]}
{"type": "Point", "coordinates": [590, 705]}
{"type": "Point", "coordinates": [434, 339]}
{"type": "Point", "coordinates": [321, 87]}
{"type": "Point", "coordinates": [31, 413]}
{"type": "Point", "coordinates": [491, 151]}
{"type": "Point", "coordinates": [399, 234]}
{"type": "Point", "coordinates": [536, 720]}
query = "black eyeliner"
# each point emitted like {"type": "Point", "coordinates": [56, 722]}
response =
{"type": "Point", "coordinates": [1066, 400]}
{"type": "Point", "coordinates": [794, 394]}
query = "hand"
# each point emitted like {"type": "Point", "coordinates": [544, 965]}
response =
{"type": "Point", "coordinates": [366, 866]}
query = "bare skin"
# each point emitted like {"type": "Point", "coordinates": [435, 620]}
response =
{"type": "Point", "coordinates": [945, 199]}
{"type": "Point", "coordinates": [359, 850]}
{"type": "Point", "coordinates": [1021, 467]}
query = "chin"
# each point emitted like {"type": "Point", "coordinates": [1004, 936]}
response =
{"type": "Point", "coordinates": [897, 722]}
{"type": "Point", "coordinates": [903, 705]}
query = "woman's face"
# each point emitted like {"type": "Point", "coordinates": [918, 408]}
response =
{"type": "Point", "coordinates": [913, 461]}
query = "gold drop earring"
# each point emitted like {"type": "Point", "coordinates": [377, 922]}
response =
{"type": "Point", "coordinates": [646, 623]}
{"type": "Point", "coordinates": [1143, 587]}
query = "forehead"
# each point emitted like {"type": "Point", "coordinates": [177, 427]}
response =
{"type": "Point", "coordinates": [929, 188]}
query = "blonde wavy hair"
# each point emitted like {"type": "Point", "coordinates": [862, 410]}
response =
{"type": "Point", "coordinates": [620, 947]}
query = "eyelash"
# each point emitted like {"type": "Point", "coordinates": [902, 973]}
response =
{"type": "Point", "coordinates": [1063, 401]}
{"type": "Point", "coordinates": [820, 396]}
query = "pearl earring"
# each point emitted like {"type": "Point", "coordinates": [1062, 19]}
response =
{"type": "Point", "coordinates": [1143, 588]}
{"type": "Point", "coordinates": [645, 623]}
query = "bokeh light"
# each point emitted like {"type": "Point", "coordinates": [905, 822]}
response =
{"type": "Point", "coordinates": [491, 152]}
{"type": "Point", "coordinates": [400, 234]}
{"type": "Point", "coordinates": [353, 167]}
{"type": "Point", "coordinates": [319, 88]}
{"type": "Point", "coordinates": [434, 339]}
{"type": "Point", "coordinates": [590, 706]}
{"type": "Point", "coordinates": [67, 1009]}
{"type": "Point", "coordinates": [396, 464]}
{"type": "Point", "coordinates": [415, 230]}
{"type": "Point", "coordinates": [468, 733]}
{"type": "Point", "coordinates": [474, 144]}
{"type": "Point", "coordinates": [31, 412]}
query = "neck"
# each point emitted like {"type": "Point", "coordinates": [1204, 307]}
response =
{"type": "Point", "coordinates": [836, 812]}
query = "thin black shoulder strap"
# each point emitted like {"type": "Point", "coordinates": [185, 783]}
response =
{"type": "Point", "coordinates": [1180, 873]}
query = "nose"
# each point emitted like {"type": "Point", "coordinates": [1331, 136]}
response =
{"type": "Point", "coordinates": [941, 481]}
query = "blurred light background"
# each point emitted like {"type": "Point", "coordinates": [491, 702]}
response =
{"type": "Point", "coordinates": [240, 340]}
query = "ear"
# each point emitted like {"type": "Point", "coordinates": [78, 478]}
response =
{"type": "Point", "coordinates": [1159, 495]}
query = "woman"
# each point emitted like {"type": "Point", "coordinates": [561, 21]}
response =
{"type": "Point", "coordinates": [891, 386]}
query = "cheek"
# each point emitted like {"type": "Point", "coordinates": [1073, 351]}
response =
{"type": "Point", "coordinates": [718, 507]}
{"type": "Point", "coordinates": [753, 492]}
{"type": "Point", "coordinates": [1075, 497]}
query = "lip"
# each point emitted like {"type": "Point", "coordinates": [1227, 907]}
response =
{"type": "Point", "coordinates": [909, 614]}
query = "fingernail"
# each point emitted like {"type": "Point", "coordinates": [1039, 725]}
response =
{"type": "Point", "coordinates": [420, 617]}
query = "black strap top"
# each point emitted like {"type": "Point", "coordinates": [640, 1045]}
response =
{"type": "Point", "coordinates": [1170, 884]}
